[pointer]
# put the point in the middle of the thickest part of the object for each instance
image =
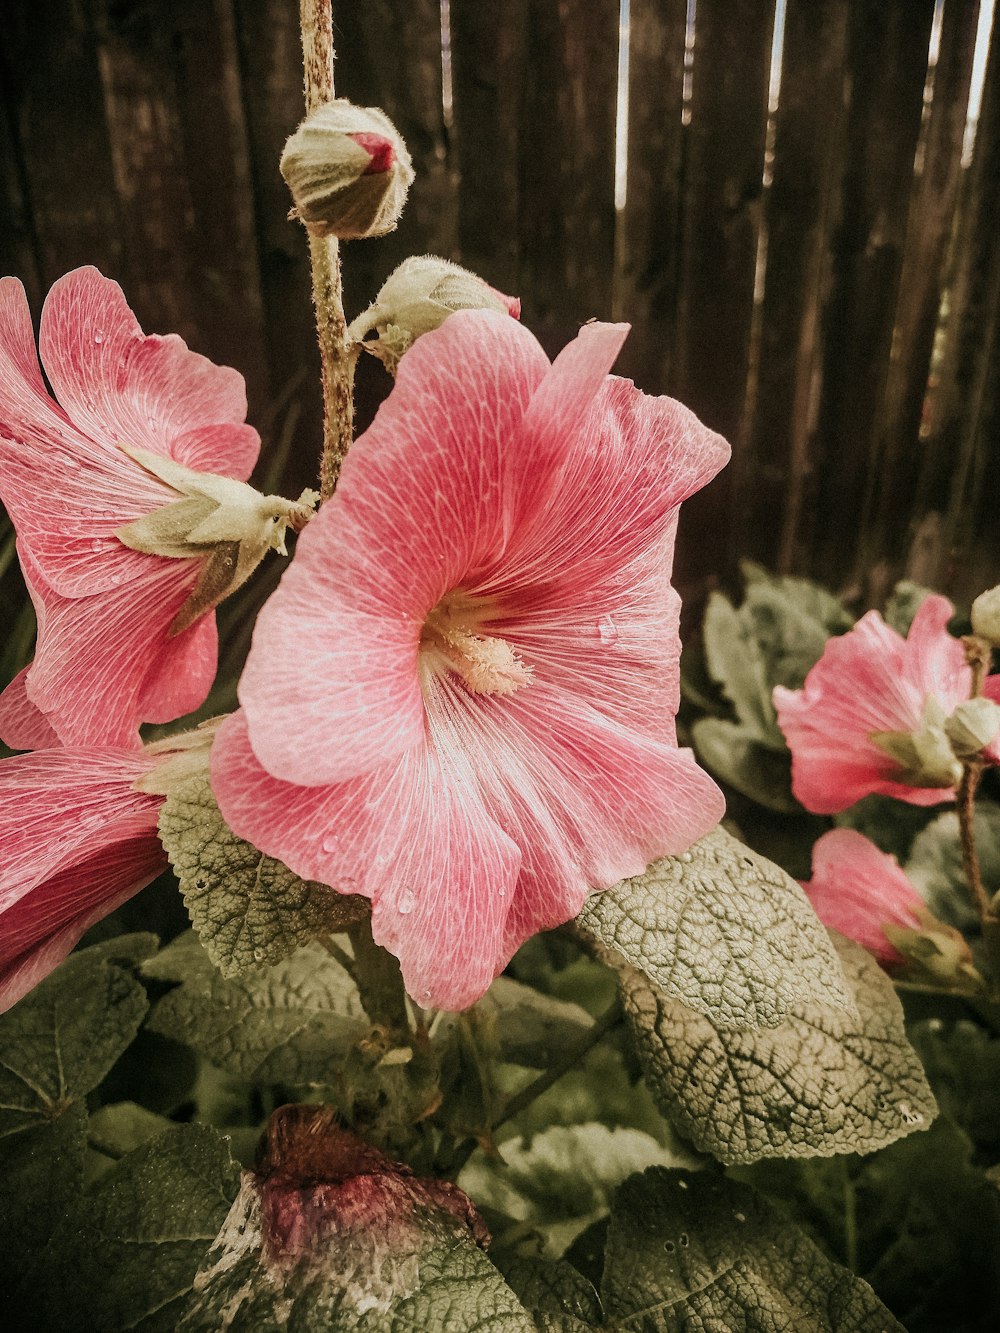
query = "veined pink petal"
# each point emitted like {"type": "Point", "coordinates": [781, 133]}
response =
{"type": "Point", "coordinates": [439, 872]}
{"type": "Point", "coordinates": [421, 498]}
{"type": "Point", "coordinates": [133, 668]}
{"type": "Point", "coordinates": [869, 680]}
{"type": "Point", "coordinates": [22, 725]}
{"type": "Point", "coordinates": [857, 889]}
{"type": "Point", "coordinates": [77, 842]}
{"type": "Point", "coordinates": [118, 385]}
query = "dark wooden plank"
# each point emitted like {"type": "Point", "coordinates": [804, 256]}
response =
{"type": "Point", "coordinates": [887, 67]}
{"type": "Point", "coordinates": [799, 214]}
{"type": "Point", "coordinates": [961, 472]}
{"type": "Point", "coordinates": [648, 243]}
{"type": "Point", "coordinates": [566, 217]}
{"type": "Point", "coordinates": [895, 465]}
{"type": "Point", "coordinates": [389, 55]}
{"type": "Point", "coordinates": [57, 113]}
{"type": "Point", "coordinates": [721, 220]}
{"type": "Point", "coordinates": [18, 242]}
{"type": "Point", "coordinates": [488, 56]}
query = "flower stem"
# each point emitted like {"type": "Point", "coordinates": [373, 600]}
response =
{"type": "Point", "coordinates": [978, 653]}
{"type": "Point", "coordinates": [338, 357]}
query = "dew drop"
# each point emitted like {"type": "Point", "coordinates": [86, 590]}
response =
{"type": "Point", "coordinates": [73, 464]}
{"type": "Point", "coordinates": [329, 844]}
{"type": "Point", "coordinates": [97, 544]}
{"type": "Point", "coordinates": [669, 1246]}
{"type": "Point", "coordinates": [607, 631]}
{"type": "Point", "coordinates": [98, 338]}
{"type": "Point", "coordinates": [684, 1240]}
{"type": "Point", "coordinates": [407, 902]}
{"type": "Point", "coordinates": [258, 955]}
{"type": "Point", "coordinates": [740, 1217]}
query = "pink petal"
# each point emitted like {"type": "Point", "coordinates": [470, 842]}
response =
{"type": "Point", "coordinates": [869, 680]}
{"type": "Point", "coordinates": [22, 725]}
{"type": "Point", "coordinates": [857, 889]}
{"type": "Point", "coordinates": [52, 920]}
{"type": "Point", "coordinates": [117, 385]}
{"type": "Point", "coordinates": [422, 498]}
{"type": "Point", "coordinates": [105, 663]}
{"type": "Point", "coordinates": [438, 870]}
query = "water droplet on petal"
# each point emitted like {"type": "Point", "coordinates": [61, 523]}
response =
{"type": "Point", "coordinates": [98, 338]}
{"type": "Point", "coordinates": [407, 902]}
{"type": "Point", "coordinates": [97, 544]}
{"type": "Point", "coordinates": [607, 631]}
{"type": "Point", "coordinates": [329, 844]}
{"type": "Point", "coordinates": [73, 464]}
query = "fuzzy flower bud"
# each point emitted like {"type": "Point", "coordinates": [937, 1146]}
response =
{"type": "Point", "coordinates": [925, 755]}
{"type": "Point", "coordinates": [419, 296]}
{"type": "Point", "coordinates": [986, 616]}
{"type": "Point", "coordinates": [348, 170]}
{"type": "Point", "coordinates": [972, 726]}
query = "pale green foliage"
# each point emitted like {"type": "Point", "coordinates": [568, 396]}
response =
{"type": "Point", "coordinates": [247, 908]}
{"type": "Point", "coordinates": [292, 1023]}
{"type": "Point", "coordinates": [935, 864]}
{"type": "Point", "coordinates": [904, 604]}
{"type": "Point", "coordinates": [722, 930]}
{"type": "Point", "coordinates": [699, 1252]}
{"type": "Point", "coordinates": [822, 1082]}
{"type": "Point", "coordinates": [531, 1027]}
{"type": "Point", "coordinates": [60, 1041]}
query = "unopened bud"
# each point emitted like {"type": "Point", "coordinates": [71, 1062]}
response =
{"type": "Point", "coordinates": [348, 170]}
{"type": "Point", "coordinates": [419, 296]}
{"type": "Point", "coordinates": [986, 616]}
{"type": "Point", "coordinates": [924, 755]}
{"type": "Point", "coordinates": [972, 726]}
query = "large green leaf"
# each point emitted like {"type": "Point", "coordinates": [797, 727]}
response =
{"type": "Point", "coordinates": [128, 1258]}
{"type": "Point", "coordinates": [935, 864]}
{"type": "Point", "coordinates": [823, 1082]}
{"type": "Point", "coordinates": [737, 757]}
{"type": "Point", "coordinates": [60, 1040]}
{"type": "Point", "coordinates": [247, 908]}
{"type": "Point", "coordinates": [735, 661]}
{"type": "Point", "coordinates": [292, 1023]}
{"type": "Point", "coordinates": [694, 1251]}
{"type": "Point", "coordinates": [722, 930]}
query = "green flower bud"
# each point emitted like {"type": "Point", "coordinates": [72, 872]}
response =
{"type": "Point", "coordinates": [418, 297]}
{"type": "Point", "coordinates": [986, 616]}
{"type": "Point", "coordinates": [348, 170]}
{"type": "Point", "coordinates": [972, 726]}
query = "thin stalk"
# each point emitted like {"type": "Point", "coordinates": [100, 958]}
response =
{"type": "Point", "coordinates": [337, 356]}
{"type": "Point", "coordinates": [978, 654]}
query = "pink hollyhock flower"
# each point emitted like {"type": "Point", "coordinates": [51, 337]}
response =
{"type": "Point", "coordinates": [872, 683]}
{"type": "Point", "coordinates": [460, 701]}
{"type": "Point", "coordinates": [106, 658]}
{"type": "Point", "coordinates": [858, 890]}
{"type": "Point", "coordinates": [77, 842]}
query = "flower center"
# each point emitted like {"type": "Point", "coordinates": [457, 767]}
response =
{"type": "Point", "coordinates": [451, 640]}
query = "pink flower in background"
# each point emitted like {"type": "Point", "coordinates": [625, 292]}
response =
{"type": "Point", "coordinates": [871, 681]}
{"type": "Point", "coordinates": [77, 843]}
{"type": "Point", "coordinates": [105, 659]}
{"type": "Point", "coordinates": [460, 701]}
{"type": "Point", "coordinates": [858, 889]}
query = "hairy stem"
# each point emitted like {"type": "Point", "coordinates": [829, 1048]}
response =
{"type": "Point", "coordinates": [337, 356]}
{"type": "Point", "coordinates": [379, 981]}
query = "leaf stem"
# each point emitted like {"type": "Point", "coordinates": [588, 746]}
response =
{"type": "Point", "coordinates": [338, 357]}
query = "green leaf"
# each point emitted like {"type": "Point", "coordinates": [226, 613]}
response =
{"type": "Point", "coordinates": [247, 908]}
{"type": "Point", "coordinates": [116, 1130]}
{"type": "Point", "coordinates": [696, 1251]}
{"type": "Point", "coordinates": [737, 757]}
{"type": "Point", "coordinates": [734, 659]}
{"type": "Point", "coordinates": [821, 1083]}
{"type": "Point", "coordinates": [935, 864]}
{"type": "Point", "coordinates": [62, 1038]}
{"type": "Point", "coordinates": [292, 1023]}
{"type": "Point", "coordinates": [962, 1063]}
{"type": "Point", "coordinates": [891, 825]}
{"type": "Point", "coordinates": [134, 1249]}
{"type": "Point", "coordinates": [724, 931]}
{"type": "Point", "coordinates": [562, 1180]}
{"type": "Point", "coordinates": [531, 1027]}
{"type": "Point", "coordinates": [808, 599]}
{"type": "Point", "coordinates": [904, 604]}
{"type": "Point", "coordinates": [557, 1295]}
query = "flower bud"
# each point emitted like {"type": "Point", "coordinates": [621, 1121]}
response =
{"type": "Point", "coordinates": [986, 616]}
{"type": "Point", "coordinates": [418, 297]}
{"type": "Point", "coordinates": [972, 726]}
{"type": "Point", "coordinates": [924, 755]}
{"type": "Point", "coordinates": [348, 170]}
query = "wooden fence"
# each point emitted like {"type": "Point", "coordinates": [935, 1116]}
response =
{"type": "Point", "coordinates": [143, 136]}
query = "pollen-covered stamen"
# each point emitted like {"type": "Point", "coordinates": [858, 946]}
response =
{"type": "Point", "coordinates": [451, 641]}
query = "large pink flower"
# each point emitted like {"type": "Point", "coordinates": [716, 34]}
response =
{"type": "Point", "coordinates": [460, 701]}
{"type": "Point", "coordinates": [858, 890]}
{"type": "Point", "coordinates": [77, 842]}
{"type": "Point", "coordinates": [106, 659]}
{"type": "Point", "coordinates": [871, 681]}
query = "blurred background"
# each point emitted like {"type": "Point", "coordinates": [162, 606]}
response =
{"type": "Point", "coordinates": [795, 205]}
